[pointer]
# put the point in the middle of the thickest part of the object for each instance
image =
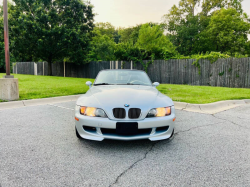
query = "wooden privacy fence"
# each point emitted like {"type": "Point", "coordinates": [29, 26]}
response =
{"type": "Point", "coordinates": [30, 68]}
{"type": "Point", "coordinates": [231, 72]}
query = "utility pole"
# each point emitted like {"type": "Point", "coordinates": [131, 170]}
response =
{"type": "Point", "coordinates": [6, 40]}
{"type": "Point", "coordinates": [9, 89]}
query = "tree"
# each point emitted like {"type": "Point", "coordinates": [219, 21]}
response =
{"type": "Point", "coordinates": [51, 30]}
{"type": "Point", "coordinates": [108, 30]}
{"type": "Point", "coordinates": [131, 34]}
{"type": "Point", "coordinates": [228, 30]}
{"type": "Point", "coordinates": [247, 52]}
{"type": "Point", "coordinates": [185, 28]}
{"type": "Point", "coordinates": [102, 47]}
{"type": "Point", "coordinates": [129, 52]}
{"type": "Point", "coordinates": [186, 34]}
{"type": "Point", "coordinates": [211, 5]}
{"type": "Point", "coordinates": [153, 38]}
{"type": "Point", "coordinates": [105, 29]}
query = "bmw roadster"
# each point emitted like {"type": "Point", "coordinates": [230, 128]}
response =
{"type": "Point", "coordinates": [124, 105]}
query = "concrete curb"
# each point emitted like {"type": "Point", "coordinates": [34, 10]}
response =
{"type": "Point", "coordinates": [35, 102]}
{"type": "Point", "coordinates": [211, 108]}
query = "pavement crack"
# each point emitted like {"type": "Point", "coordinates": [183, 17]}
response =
{"type": "Point", "coordinates": [196, 128]}
{"type": "Point", "coordinates": [242, 118]}
{"type": "Point", "coordinates": [230, 122]}
{"type": "Point", "coordinates": [136, 162]}
{"type": "Point", "coordinates": [200, 108]}
{"type": "Point", "coordinates": [185, 107]}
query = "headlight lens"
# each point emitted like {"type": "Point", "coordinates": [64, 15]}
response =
{"type": "Point", "coordinates": [93, 112]}
{"type": "Point", "coordinates": [100, 113]}
{"type": "Point", "coordinates": [159, 112]}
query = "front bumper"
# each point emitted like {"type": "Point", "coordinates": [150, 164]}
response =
{"type": "Point", "coordinates": [147, 123]}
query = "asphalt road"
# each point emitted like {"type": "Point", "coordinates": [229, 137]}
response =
{"type": "Point", "coordinates": [38, 147]}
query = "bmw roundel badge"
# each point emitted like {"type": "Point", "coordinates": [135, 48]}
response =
{"type": "Point", "coordinates": [126, 105]}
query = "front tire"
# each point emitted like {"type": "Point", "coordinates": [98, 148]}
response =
{"type": "Point", "coordinates": [78, 135]}
{"type": "Point", "coordinates": [171, 137]}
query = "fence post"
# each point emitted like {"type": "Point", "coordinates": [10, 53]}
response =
{"type": "Point", "coordinates": [131, 65]}
{"type": "Point", "coordinates": [43, 68]}
{"type": "Point", "coordinates": [35, 68]}
{"type": "Point", "coordinates": [116, 65]}
{"type": "Point", "coordinates": [64, 69]}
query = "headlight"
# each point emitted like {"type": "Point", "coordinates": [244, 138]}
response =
{"type": "Point", "coordinates": [93, 112]}
{"type": "Point", "coordinates": [159, 112]}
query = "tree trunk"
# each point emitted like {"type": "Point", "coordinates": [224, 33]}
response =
{"type": "Point", "coordinates": [49, 68]}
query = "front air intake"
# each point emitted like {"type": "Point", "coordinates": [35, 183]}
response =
{"type": "Point", "coordinates": [119, 113]}
{"type": "Point", "coordinates": [134, 113]}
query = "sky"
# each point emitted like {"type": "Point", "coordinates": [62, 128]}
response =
{"type": "Point", "coordinates": [126, 13]}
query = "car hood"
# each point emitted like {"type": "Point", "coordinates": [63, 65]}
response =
{"type": "Point", "coordinates": [116, 96]}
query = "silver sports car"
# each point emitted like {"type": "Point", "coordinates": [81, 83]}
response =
{"type": "Point", "coordinates": [124, 105]}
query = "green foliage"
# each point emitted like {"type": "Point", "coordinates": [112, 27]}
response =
{"type": "Point", "coordinates": [188, 35]}
{"type": "Point", "coordinates": [131, 34]}
{"type": "Point", "coordinates": [228, 31]}
{"type": "Point", "coordinates": [210, 5]}
{"type": "Point", "coordinates": [239, 55]}
{"type": "Point", "coordinates": [149, 43]}
{"type": "Point", "coordinates": [212, 57]}
{"type": "Point", "coordinates": [247, 48]}
{"type": "Point", "coordinates": [50, 30]}
{"type": "Point", "coordinates": [221, 73]}
{"type": "Point", "coordinates": [220, 26]}
{"type": "Point", "coordinates": [153, 39]}
{"type": "Point", "coordinates": [107, 29]}
{"type": "Point", "coordinates": [102, 47]}
{"type": "Point", "coordinates": [129, 52]}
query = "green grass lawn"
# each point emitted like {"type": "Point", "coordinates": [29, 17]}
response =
{"type": "Point", "coordinates": [33, 87]}
{"type": "Point", "coordinates": [203, 94]}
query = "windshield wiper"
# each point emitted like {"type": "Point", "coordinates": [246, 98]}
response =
{"type": "Point", "coordinates": [132, 84]}
{"type": "Point", "coordinates": [128, 84]}
{"type": "Point", "coordinates": [99, 84]}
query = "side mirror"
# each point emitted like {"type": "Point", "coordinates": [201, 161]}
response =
{"type": "Point", "coordinates": [88, 83]}
{"type": "Point", "coordinates": [156, 84]}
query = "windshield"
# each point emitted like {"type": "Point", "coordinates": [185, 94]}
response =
{"type": "Point", "coordinates": [122, 77]}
